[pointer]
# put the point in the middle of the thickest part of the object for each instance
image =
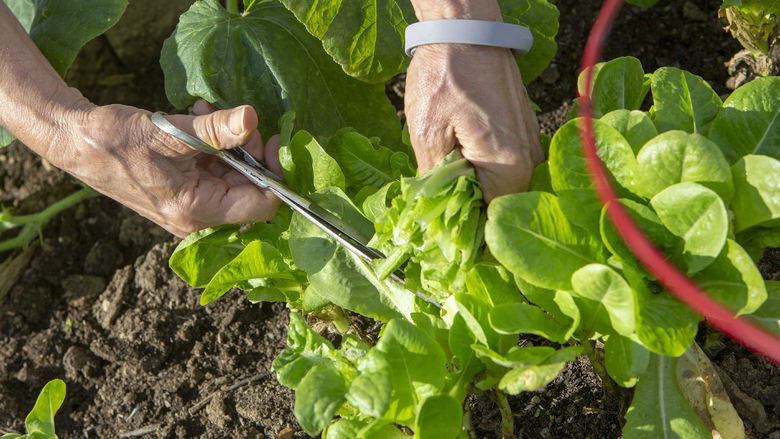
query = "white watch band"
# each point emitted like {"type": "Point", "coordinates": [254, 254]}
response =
{"type": "Point", "coordinates": [485, 33]}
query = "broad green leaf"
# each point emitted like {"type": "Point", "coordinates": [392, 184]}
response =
{"type": "Point", "coordinates": [697, 215]}
{"type": "Point", "coordinates": [307, 167]}
{"type": "Point", "coordinates": [607, 296]}
{"type": "Point", "coordinates": [306, 350]}
{"type": "Point", "coordinates": [366, 37]}
{"type": "Point", "coordinates": [258, 263]}
{"type": "Point", "coordinates": [267, 59]}
{"type": "Point", "coordinates": [317, 398]}
{"type": "Point", "coordinates": [618, 84]}
{"type": "Point", "coordinates": [625, 359]}
{"type": "Point", "coordinates": [465, 364]}
{"type": "Point", "coordinates": [532, 378]}
{"type": "Point", "coordinates": [757, 197]}
{"type": "Point", "coordinates": [365, 164]}
{"type": "Point", "coordinates": [634, 125]}
{"type": "Point", "coordinates": [540, 182]}
{"type": "Point", "coordinates": [375, 206]}
{"type": "Point", "coordinates": [559, 304]}
{"type": "Point", "coordinates": [336, 273]}
{"type": "Point", "coordinates": [541, 17]}
{"type": "Point", "coordinates": [440, 417]}
{"type": "Point", "coordinates": [343, 429]}
{"type": "Point", "coordinates": [352, 429]}
{"type": "Point", "coordinates": [41, 419]}
{"type": "Point", "coordinates": [199, 256]}
{"type": "Point", "coordinates": [675, 157]}
{"type": "Point", "coordinates": [535, 223]}
{"type": "Point", "coordinates": [663, 324]}
{"type": "Point", "coordinates": [749, 122]}
{"type": "Point", "coordinates": [570, 176]}
{"type": "Point", "coordinates": [60, 28]}
{"type": "Point", "coordinates": [416, 364]}
{"type": "Point", "coordinates": [371, 392]}
{"type": "Point", "coordinates": [649, 223]}
{"type": "Point", "coordinates": [683, 101]}
{"type": "Point", "coordinates": [659, 409]}
{"type": "Point", "coordinates": [492, 284]}
{"type": "Point", "coordinates": [768, 315]}
{"type": "Point", "coordinates": [733, 280]}
{"type": "Point", "coordinates": [516, 357]}
{"type": "Point", "coordinates": [756, 240]}
{"type": "Point", "coordinates": [521, 318]}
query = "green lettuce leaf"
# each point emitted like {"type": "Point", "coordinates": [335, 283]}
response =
{"type": "Point", "coordinates": [757, 198]}
{"type": "Point", "coordinates": [683, 101]}
{"type": "Point", "coordinates": [365, 164]}
{"type": "Point", "coordinates": [659, 409]}
{"type": "Point", "coordinates": [337, 274]}
{"type": "Point", "coordinates": [570, 176]}
{"type": "Point", "coordinates": [634, 125]}
{"type": "Point", "coordinates": [307, 167]}
{"type": "Point", "coordinates": [625, 359]}
{"type": "Point", "coordinates": [535, 222]}
{"type": "Point", "coordinates": [676, 156]}
{"type": "Point", "coordinates": [435, 226]}
{"type": "Point", "coordinates": [605, 299]}
{"type": "Point", "coordinates": [698, 216]}
{"type": "Point", "coordinates": [749, 122]}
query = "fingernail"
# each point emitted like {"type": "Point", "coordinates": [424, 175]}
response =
{"type": "Point", "coordinates": [237, 117]}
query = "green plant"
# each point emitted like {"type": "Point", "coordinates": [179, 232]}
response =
{"type": "Point", "coordinates": [39, 424]}
{"type": "Point", "coordinates": [552, 265]}
{"type": "Point", "coordinates": [32, 224]}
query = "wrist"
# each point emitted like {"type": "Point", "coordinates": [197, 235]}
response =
{"type": "Point", "coordinates": [454, 9]}
{"type": "Point", "coordinates": [57, 127]}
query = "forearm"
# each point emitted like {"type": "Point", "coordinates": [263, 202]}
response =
{"type": "Point", "coordinates": [449, 9]}
{"type": "Point", "coordinates": [35, 103]}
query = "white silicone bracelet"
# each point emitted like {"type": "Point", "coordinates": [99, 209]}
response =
{"type": "Point", "coordinates": [485, 33]}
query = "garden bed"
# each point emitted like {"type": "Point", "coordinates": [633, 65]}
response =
{"type": "Point", "coordinates": [98, 306]}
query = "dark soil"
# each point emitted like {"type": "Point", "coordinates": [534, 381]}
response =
{"type": "Point", "coordinates": [98, 306]}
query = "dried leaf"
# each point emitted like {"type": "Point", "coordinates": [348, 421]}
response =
{"type": "Point", "coordinates": [701, 385]}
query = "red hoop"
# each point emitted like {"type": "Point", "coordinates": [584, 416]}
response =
{"type": "Point", "coordinates": [744, 332]}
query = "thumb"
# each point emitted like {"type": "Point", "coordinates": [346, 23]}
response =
{"type": "Point", "coordinates": [221, 129]}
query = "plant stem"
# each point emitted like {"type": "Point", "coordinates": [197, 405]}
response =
{"type": "Point", "coordinates": [507, 418]}
{"type": "Point", "coordinates": [597, 361]}
{"type": "Point", "coordinates": [467, 427]}
{"type": "Point", "coordinates": [232, 6]}
{"type": "Point", "coordinates": [33, 223]}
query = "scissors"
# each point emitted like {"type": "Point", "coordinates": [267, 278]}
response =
{"type": "Point", "coordinates": [240, 160]}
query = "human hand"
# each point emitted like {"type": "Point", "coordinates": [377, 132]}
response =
{"type": "Point", "coordinates": [121, 153]}
{"type": "Point", "coordinates": [473, 97]}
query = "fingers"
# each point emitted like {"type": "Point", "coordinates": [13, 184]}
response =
{"type": "Point", "coordinates": [218, 202]}
{"type": "Point", "coordinates": [222, 129]}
